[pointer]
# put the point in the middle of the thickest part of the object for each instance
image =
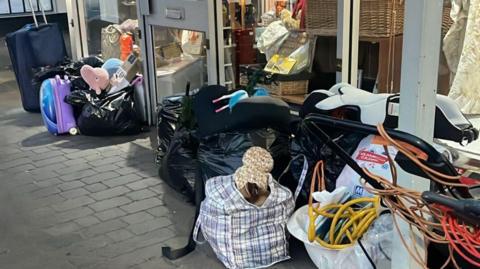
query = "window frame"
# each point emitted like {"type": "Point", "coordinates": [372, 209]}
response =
{"type": "Point", "coordinates": [26, 7]}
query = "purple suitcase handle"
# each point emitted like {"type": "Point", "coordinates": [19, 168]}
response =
{"type": "Point", "coordinates": [65, 118]}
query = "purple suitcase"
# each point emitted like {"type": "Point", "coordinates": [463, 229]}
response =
{"type": "Point", "coordinates": [58, 115]}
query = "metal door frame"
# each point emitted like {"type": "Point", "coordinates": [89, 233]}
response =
{"type": "Point", "coordinates": [148, 20]}
{"type": "Point", "coordinates": [77, 28]}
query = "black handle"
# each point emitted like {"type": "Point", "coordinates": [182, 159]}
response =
{"type": "Point", "coordinates": [435, 159]}
{"type": "Point", "coordinates": [468, 210]}
{"type": "Point", "coordinates": [314, 130]}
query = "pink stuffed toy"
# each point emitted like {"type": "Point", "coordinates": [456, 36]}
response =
{"type": "Point", "coordinates": [96, 78]}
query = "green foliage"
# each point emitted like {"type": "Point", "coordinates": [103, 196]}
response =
{"type": "Point", "coordinates": [187, 118]}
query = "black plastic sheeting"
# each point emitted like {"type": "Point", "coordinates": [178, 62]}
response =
{"type": "Point", "coordinates": [188, 158]}
{"type": "Point", "coordinates": [179, 165]}
{"type": "Point", "coordinates": [70, 69]}
{"type": "Point", "coordinates": [168, 114]}
{"type": "Point", "coordinates": [112, 115]}
{"type": "Point", "coordinates": [221, 154]}
{"type": "Point", "coordinates": [314, 149]}
{"type": "Point", "coordinates": [177, 148]}
{"type": "Point", "coordinates": [78, 97]}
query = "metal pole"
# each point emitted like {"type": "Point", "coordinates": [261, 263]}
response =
{"type": "Point", "coordinates": [421, 47]}
{"type": "Point", "coordinates": [354, 42]}
{"type": "Point", "coordinates": [74, 31]}
{"type": "Point", "coordinates": [212, 32]}
{"type": "Point", "coordinates": [339, 39]}
{"type": "Point", "coordinates": [347, 9]}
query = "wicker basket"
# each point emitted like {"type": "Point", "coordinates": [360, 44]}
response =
{"type": "Point", "coordinates": [375, 18]}
{"type": "Point", "coordinates": [378, 18]}
{"type": "Point", "coordinates": [281, 88]}
{"type": "Point", "coordinates": [447, 20]}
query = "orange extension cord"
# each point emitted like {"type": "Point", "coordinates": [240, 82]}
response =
{"type": "Point", "coordinates": [435, 223]}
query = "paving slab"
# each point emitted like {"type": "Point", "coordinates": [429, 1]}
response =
{"type": "Point", "coordinates": [86, 202]}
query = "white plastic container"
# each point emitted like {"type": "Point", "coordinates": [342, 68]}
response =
{"type": "Point", "coordinates": [172, 79]}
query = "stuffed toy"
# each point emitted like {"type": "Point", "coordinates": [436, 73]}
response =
{"type": "Point", "coordinates": [112, 65]}
{"type": "Point", "coordinates": [96, 78]}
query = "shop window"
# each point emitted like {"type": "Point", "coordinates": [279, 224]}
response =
{"type": "Point", "coordinates": [180, 60]}
{"type": "Point", "coordinates": [23, 6]}
{"type": "Point", "coordinates": [268, 36]}
{"type": "Point", "coordinates": [110, 25]}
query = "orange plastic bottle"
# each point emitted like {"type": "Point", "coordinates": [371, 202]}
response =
{"type": "Point", "coordinates": [126, 46]}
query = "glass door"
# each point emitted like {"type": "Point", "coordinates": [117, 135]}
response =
{"type": "Point", "coordinates": [99, 27]}
{"type": "Point", "coordinates": [179, 46]}
{"type": "Point", "coordinates": [110, 30]}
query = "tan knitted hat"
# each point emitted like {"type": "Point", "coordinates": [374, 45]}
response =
{"type": "Point", "coordinates": [257, 165]}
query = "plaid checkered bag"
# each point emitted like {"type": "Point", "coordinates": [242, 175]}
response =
{"type": "Point", "coordinates": [242, 234]}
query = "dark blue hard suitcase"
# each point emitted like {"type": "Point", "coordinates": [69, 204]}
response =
{"type": "Point", "coordinates": [30, 47]}
{"type": "Point", "coordinates": [22, 63]}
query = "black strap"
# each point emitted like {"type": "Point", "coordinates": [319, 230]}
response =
{"type": "Point", "coordinates": [173, 254]}
{"type": "Point", "coordinates": [366, 254]}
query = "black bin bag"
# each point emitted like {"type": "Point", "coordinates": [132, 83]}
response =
{"type": "Point", "coordinates": [112, 115]}
{"type": "Point", "coordinates": [179, 165]}
{"type": "Point", "coordinates": [167, 120]}
{"type": "Point", "coordinates": [177, 145]}
{"type": "Point", "coordinates": [221, 154]}
{"type": "Point", "coordinates": [314, 149]}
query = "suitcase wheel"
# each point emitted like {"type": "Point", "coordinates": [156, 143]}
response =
{"type": "Point", "coordinates": [73, 131]}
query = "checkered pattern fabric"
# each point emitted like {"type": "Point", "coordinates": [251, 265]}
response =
{"type": "Point", "coordinates": [244, 235]}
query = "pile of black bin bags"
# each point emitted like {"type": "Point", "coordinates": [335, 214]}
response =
{"type": "Point", "coordinates": [216, 143]}
{"type": "Point", "coordinates": [96, 115]}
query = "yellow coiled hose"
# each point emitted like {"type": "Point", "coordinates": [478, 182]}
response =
{"type": "Point", "coordinates": [357, 223]}
{"type": "Point", "coordinates": [357, 220]}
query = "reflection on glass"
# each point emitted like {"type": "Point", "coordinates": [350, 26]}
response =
{"type": "Point", "coordinates": [111, 28]}
{"type": "Point", "coordinates": [4, 9]}
{"type": "Point", "coordinates": [180, 59]}
{"type": "Point", "coordinates": [27, 5]}
{"type": "Point", "coordinates": [17, 6]}
{"type": "Point", "coordinates": [46, 5]}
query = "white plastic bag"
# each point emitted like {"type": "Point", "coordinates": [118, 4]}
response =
{"type": "Point", "coordinates": [377, 242]}
{"type": "Point", "coordinates": [272, 38]}
{"type": "Point", "coordinates": [370, 155]}
{"type": "Point", "coordinates": [302, 58]}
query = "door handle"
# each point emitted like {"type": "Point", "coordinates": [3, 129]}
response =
{"type": "Point", "coordinates": [72, 23]}
{"type": "Point", "coordinates": [175, 13]}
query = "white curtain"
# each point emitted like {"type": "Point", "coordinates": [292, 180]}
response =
{"type": "Point", "coordinates": [465, 88]}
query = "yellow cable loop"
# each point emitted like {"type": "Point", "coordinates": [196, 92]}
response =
{"type": "Point", "coordinates": [363, 214]}
{"type": "Point", "coordinates": [340, 212]}
{"type": "Point", "coordinates": [357, 224]}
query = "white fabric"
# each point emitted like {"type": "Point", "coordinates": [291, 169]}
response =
{"type": "Point", "coordinates": [466, 84]}
{"type": "Point", "coordinates": [453, 40]}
